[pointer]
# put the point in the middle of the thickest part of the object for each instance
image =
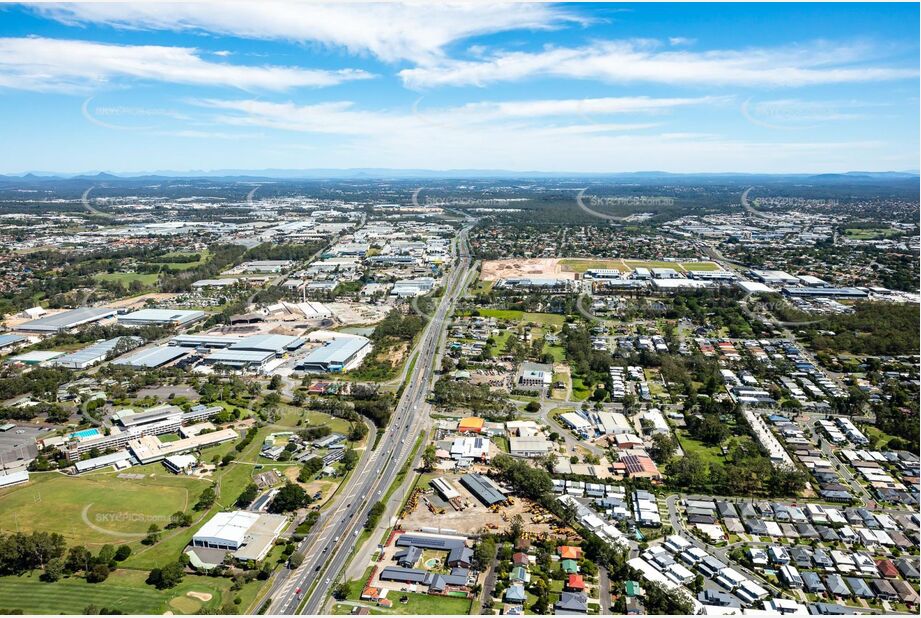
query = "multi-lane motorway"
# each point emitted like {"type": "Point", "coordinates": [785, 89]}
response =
{"type": "Point", "coordinates": [328, 547]}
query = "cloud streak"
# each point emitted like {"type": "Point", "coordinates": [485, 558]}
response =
{"type": "Point", "coordinates": [55, 65]}
{"type": "Point", "coordinates": [390, 32]}
{"type": "Point", "coordinates": [641, 61]}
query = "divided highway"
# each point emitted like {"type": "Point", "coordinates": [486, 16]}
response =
{"type": "Point", "coordinates": [328, 548]}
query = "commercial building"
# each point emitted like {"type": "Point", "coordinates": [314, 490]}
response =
{"type": "Point", "coordinates": [263, 266]}
{"type": "Point", "coordinates": [178, 464]}
{"type": "Point", "coordinates": [248, 536]}
{"type": "Point", "coordinates": [529, 447]}
{"type": "Point", "coordinates": [754, 287]}
{"type": "Point", "coordinates": [120, 460]}
{"type": "Point", "coordinates": [8, 340]}
{"type": "Point", "coordinates": [205, 341]}
{"type": "Point", "coordinates": [408, 288]}
{"type": "Point", "coordinates": [823, 292]}
{"type": "Point", "coordinates": [640, 466]}
{"type": "Point", "coordinates": [14, 478]}
{"type": "Point", "coordinates": [471, 424]}
{"type": "Point", "coordinates": [128, 418]}
{"type": "Point", "coordinates": [151, 358]}
{"type": "Point", "coordinates": [97, 352]}
{"type": "Point", "coordinates": [483, 488]}
{"type": "Point", "coordinates": [576, 422]}
{"type": "Point", "coordinates": [534, 377]}
{"type": "Point", "coordinates": [66, 320]}
{"type": "Point", "coordinates": [149, 448]}
{"type": "Point", "coordinates": [213, 283]}
{"type": "Point", "coordinates": [339, 354]}
{"type": "Point", "coordinates": [253, 352]}
{"type": "Point", "coordinates": [774, 277]}
{"type": "Point", "coordinates": [161, 317]}
{"type": "Point", "coordinates": [36, 357]}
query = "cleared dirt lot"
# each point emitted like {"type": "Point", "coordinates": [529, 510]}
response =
{"type": "Point", "coordinates": [475, 517]}
{"type": "Point", "coordinates": [518, 267]}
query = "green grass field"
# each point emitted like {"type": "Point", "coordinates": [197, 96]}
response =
{"type": "Point", "coordinates": [417, 604]}
{"type": "Point", "coordinates": [96, 509]}
{"type": "Point", "coordinates": [513, 315]}
{"type": "Point", "coordinates": [710, 454]}
{"type": "Point", "coordinates": [577, 265]}
{"type": "Point", "coordinates": [147, 279]}
{"type": "Point", "coordinates": [871, 233]}
{"type": "Point", "coordinates": [204, 257]}
{"type": "Point", "coordinates": [700, 266]}
{"type": "Point", "coordinates": [558, 352]}
{"type": "Point", "coordinates": [580, 391]}
{"type": "Point", "coordinates": [124, 590]}
{"type": "Point", "coordinates": [581, 265]}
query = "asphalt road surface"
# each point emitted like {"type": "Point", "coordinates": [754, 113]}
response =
{"type": "Point", "coordinates": [328, 548]}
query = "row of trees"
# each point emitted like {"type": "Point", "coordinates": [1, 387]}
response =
{"type": "Point", "coordinates": [47, 551]}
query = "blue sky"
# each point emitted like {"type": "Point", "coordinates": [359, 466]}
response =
{"type": "Point", "coordinates": [550, 87]}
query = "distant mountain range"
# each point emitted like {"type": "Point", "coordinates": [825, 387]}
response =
{"type": "Point", "coordinates": [384, 173]}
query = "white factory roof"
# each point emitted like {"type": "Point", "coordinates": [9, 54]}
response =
{"type": "Point", "coordinates": [162, 316]}
{"type": "Point", "coordinates": [575, 421]}
{"type": "Point", "coordinates": [227, 528]}
{"type": "Point", "coordinates": [36, 356]}
{"type": "Point", "coordinates": [754, 287]}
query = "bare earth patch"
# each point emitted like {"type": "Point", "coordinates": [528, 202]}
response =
{"type": "Point", "coordinates": [520, 267]}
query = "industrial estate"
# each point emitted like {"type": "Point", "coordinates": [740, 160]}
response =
{"type": "Point", "coordinates": [363, 407]}
{"type": "Point", "coordinates": [403, 392]}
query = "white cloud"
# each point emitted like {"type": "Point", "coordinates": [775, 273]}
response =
{"type": "Point", "coordinates": [343, 118]}
{"type": "Point", "coordinates": [43, 64]}
{"type": "Point", "coordinates": [527, 135]}
{"type": "Point", "coordinates": [416, 32]}
{"type": "Point", "coordinates": [638, 61]}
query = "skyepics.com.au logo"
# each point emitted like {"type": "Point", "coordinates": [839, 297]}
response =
{"type": "Point", "coordinates": [126, 516]}
{"type": "Point", "coordinates": [590, 203]}
{"type": "Point", "coordinates": [108, 522]}
{"type": "Point", "coordinates": [125, 117]}
{"type": "Point", "coordinates": [768, 309]}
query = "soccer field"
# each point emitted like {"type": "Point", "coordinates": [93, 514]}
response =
{"type": "Point", "coordinates": [97, 509]}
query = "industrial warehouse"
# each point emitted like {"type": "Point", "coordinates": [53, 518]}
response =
{"type": "Point", "coordinates": [66, 320]}
{"type": "Point", "coordinates": [340, 354]}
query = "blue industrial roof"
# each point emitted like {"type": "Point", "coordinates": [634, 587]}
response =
{"type": "Point", "coordinates": [9, 339]}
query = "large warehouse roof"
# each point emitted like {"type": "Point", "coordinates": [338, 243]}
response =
{"type": "Point", "coordinates": [239, 358]}
{"type": "Point", "coordinates": [152, 357]}
{"type": "Point", "coordinates": [161, 316]}
{"type": "Point", "coordinates": [483, 488]}
{"type": "Point", "coordinates": [268, 343]}
{"type": "Point", "coordinates": [430, 541]}
{"type": "Point", "coordinates": [10, 339]}
{"type": "Point", "coordinates": [338, 351]}
{"type": "Point", "coordinates": [95, 352]}
{"type": "Point", "coordinates": [227, 528]}
{"type": "Point", "coordinates": [67, 319]}
{"type": "Point", "coordinates": [207, 341]}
